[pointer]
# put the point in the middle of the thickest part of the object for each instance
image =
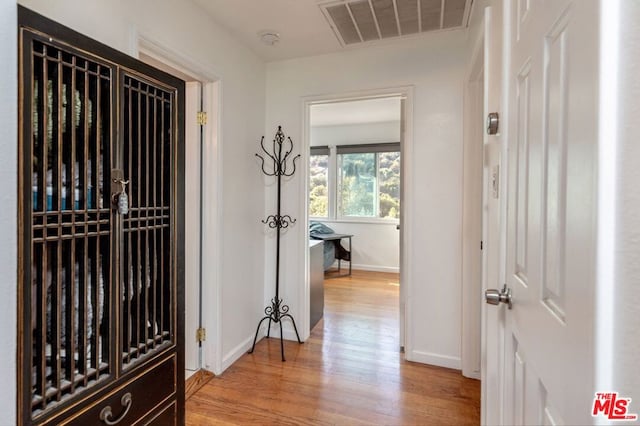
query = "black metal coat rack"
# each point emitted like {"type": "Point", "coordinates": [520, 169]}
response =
{"type": "Point", "coordinates": [277, 166]}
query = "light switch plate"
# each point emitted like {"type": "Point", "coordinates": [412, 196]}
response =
{"type": "Point", "coordinates": [495, 181]}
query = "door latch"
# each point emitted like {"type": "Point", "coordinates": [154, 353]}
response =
{"type": "Point", "coordinates": [119, 196]}
{"type": "Point", "coordinates": [495, 297]}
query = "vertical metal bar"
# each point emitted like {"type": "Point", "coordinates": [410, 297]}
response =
{"type": "Point", "coordinates": [113, 346]}
{"type": "Point", "coordinates": [162, 251]}
{"type": "Point", "coordinates": [45, 282]}
{"type": "Point", "coordinates": [129, 274]}
{"type": "Point", "coordinates": [42, 294]}
{"type": "Point", "coordinates": [172, 303]}
{"type": "Point", "coordinates": [154, 281]}
{"type": "Point", "coordinates": [40, 319]}
{"type": "Point", "coordinates": [93, 361]}
{"type": "Point", "coordinates": [82, 307]}
{"type": "Point", "coordinates": [139, 275]}
{"type": "Point", "coordinates": [83, 314]}
{"type": "Point", "coordinates": [105, 270]}
{"type": "Point", "coordinates": [58, 309]}
{"type": "Point", "coordinates": [147, 267]}
{"type": "Point", "coordinates": [40, 145]}
{"type": "Point", "coordinates": [96, 267]}
{"type": "Point", "coordinates": [71, 335]}
{"type": "Point", "coordinates": [86, 305]}
{"type": "Point", "coordinates": [41, 299]}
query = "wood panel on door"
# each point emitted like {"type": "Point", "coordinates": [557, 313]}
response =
{"type": "Point", "coordinates": [100, 291]}
{"type": "Point", "coordinates": [553, 80]}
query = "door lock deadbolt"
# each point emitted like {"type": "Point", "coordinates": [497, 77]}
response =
{"type": "Point", "coordinates": [493, 122]}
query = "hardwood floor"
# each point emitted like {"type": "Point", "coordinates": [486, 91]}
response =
{"type": "Point", "coordinates": [349, 371]}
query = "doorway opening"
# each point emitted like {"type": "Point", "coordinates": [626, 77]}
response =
{"type": "Point", "coordinates": [354, 188]}
{"type": "Point", "coordinates": [202, 214]}
{"type": "Point", "coordinates": [474, 242]}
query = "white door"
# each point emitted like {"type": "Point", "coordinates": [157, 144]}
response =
{"type": "Point", "coordinates": [493, 205]}
{"type": "Point", "coordinates": [553, 82]}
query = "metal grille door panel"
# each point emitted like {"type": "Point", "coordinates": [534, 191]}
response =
{"type": "Point", "coordinates": [146, 283]}
{"type": "Point", "coordinates": [70, 223]}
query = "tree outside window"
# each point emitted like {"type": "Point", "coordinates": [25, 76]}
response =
{"type": "Point", "coordinates": [367, 181]}
{"type": "Point", "coordinates": [369, 185]}
{"type": "Point", "coordinates": [318, 186]}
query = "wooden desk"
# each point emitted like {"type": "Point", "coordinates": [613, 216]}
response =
{"type": "Point", "coordinates": [338, 238]}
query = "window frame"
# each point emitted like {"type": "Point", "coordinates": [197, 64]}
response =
{"type": "Point", "coordinates": [333, 180]}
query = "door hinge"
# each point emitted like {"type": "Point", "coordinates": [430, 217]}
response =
{"type": "Point", "coordinates": [480, 245]}
{"type": "Point", "coordinates": [201, 334]}
{"type": "Point", "coordinates": [202, 118]}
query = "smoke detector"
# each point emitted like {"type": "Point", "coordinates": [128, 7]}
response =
{"type": "Point", "coordinates": [269, 37]}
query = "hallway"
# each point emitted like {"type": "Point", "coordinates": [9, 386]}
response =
{"type": "Point", "coordinates": [348, 372]}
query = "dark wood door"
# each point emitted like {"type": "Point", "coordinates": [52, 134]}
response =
{"type": "Point", "coordinates": [101, 287]}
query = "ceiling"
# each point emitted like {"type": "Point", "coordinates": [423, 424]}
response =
{"type": "Point", "coordinates": [356, 112]}
{"type": "Point", "coordinates": [307, 28]}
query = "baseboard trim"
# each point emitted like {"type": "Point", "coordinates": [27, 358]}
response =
{"type": "Point", "coordinates": [473, 375]}
{"type": "Point", "coordinates": [235, 354]}
{"type": "Point", "coordinates": [243, 348]}
{"type": "Point", "coordinates": [197, 380]}
{"type": "Point", "coordinates": [287, 331]}
{"type": "Point", "coordinates": [435, 359]}
{"type": "Point", "coordinates": [361, 267]}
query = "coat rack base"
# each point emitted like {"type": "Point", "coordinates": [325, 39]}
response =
{"type": "Point", "coordinates": [276, 312]}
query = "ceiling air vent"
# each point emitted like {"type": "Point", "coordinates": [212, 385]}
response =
{"type": "Point", "coordinates": [359, 21]}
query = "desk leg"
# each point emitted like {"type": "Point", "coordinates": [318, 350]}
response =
{"type": "Point", "coordinates": [350, 256]}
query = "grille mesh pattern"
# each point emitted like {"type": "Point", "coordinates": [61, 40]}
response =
{"type": "Point", "coordinates": [361, 21]}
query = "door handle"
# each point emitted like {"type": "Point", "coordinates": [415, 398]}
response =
{"type": "Point", "coordinates": [495, 297]}
{"type": "Point", "coordinates": [106, 415]}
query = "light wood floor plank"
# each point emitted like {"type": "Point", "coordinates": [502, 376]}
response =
{"type": "Point", "coordinates": [349, 372]}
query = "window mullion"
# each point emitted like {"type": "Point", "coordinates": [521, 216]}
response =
{"type": "Point", "coordinates": [333, 183]}
{"type": "Point", "coordinates": [376, 187]}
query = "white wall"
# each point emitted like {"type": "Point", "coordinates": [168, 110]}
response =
{"type": "Point", "coordinates": [434, 65]}
{"type": "Point", "coordinates": [8, 212]}
{"type": "Point", "coordinates": [376, 246]}
{"type": "Point", "coordinates": [184, 27]}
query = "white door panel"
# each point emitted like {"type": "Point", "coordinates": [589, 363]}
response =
{"type": "Point", "coordinates": [549, 358]}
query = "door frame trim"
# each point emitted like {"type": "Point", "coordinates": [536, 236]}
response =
{"type": "Point", "coordinates": [142, 43]}
{"type": "Point", "coordinates": [473, 109]}
{"type": "Point", "coordinates": [406, 229]}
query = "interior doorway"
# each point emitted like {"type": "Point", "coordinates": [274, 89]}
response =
{"type": "Point", "coordinates": [473, 243]}
{"type": "Point", "coordinates": [353, 150]}
{"type": "Point", "coordinates": [202, 214]}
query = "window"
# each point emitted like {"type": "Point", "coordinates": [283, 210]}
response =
{"type": "Point", "coordinates": [368, 181]}
{"type": "Point", "coordinates": [319, 182]}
